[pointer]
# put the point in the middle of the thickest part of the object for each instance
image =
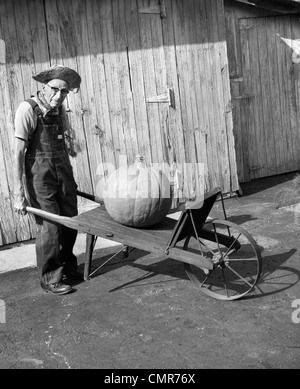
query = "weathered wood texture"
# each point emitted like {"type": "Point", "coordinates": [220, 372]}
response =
{"type": "Point", "coordinates": [129, 54]}
{"type": "Point", "coordinates": [280, 6]}
{"type": "Point", "coordinates": [264, 69]}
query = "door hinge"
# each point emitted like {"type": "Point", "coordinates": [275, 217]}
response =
{"type": "Point", "coordinates": [236, 79]}
{"type": "Point", "coordinates": [243, 97]}
{"type": "Point", "coordinates": [246, 24]}
{"type": "Point", "coordinates": [168, 97]}
{"type": "Point", "coordinates": [160, 8]}
{"type": "Point", "coordinates": [254, 168]}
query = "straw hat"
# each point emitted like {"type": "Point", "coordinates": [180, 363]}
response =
{"type": "Point", "coordinates": [62, 73]}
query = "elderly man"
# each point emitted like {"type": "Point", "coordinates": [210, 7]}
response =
{"type": "Point", "coordinates": [40, 147]}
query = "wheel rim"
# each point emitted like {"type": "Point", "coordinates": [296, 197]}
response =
{"type": "Point", "coordinates": [236, 257]}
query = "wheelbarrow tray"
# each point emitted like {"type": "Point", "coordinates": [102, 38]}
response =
{"type": "Point", "coordinates": [159, 239]}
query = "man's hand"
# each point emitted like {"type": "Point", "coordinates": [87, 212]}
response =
{"type": "Point", "coordinates": [20, 203]}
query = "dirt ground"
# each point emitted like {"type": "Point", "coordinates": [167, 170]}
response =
{"type": "Point", "coordinates": [144, 313]}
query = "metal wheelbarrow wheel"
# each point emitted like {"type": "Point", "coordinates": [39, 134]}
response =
{"type": "Point", "coordinates": [235, 255]}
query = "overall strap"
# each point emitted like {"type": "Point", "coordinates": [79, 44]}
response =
{"type": "Point", "coordinates": [36, 109]}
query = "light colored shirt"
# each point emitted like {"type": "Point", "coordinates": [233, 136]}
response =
{"type": "Point", "coordinates": [26, 119]}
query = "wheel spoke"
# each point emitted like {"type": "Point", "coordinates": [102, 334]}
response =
{"type": "Point", "coordinates": [237, 274]}
{"type": "Point", "coordinates": [207, 277]}
{"type": "Point", "coordinates": [230, 252]}
{"type": "Point", "coordinates": [236, 239]}
{"type": "Point", "coordinates": [208, 248]}
{"type": "Point", "coordinates": [217, 240]}
{"type": "Point", "coordinates": [241, 259]}
{"type": "Point", "coordinates": [225, 284]}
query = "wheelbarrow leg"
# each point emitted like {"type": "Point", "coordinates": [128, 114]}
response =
{"type": "Point", "coordinates": [125, 251]}
{"type": "Point", "coordinates": [90, 240]}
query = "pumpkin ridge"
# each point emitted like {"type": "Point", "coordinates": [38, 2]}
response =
{"type": "Point", "coordinates": [143, 204]}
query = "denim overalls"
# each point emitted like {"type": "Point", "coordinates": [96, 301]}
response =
{"type": "Point", "coordinates": [51, 187]}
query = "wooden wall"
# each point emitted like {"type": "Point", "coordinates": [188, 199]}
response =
{"type": "Point", "coordinates": [132, 55]}
{"type": "Point", "coordinates": [263, 51]}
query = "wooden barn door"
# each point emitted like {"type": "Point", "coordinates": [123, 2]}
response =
{"type": "Point", "coordinates": [160, 86]}
{"type": "Point", "coordinates": [266, 98]}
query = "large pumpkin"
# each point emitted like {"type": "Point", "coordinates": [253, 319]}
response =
{"type": "Point", "coordinates": [137, 196]}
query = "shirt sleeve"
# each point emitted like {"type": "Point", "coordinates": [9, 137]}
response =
{"type": "Point", "coordinates": [25, 121]}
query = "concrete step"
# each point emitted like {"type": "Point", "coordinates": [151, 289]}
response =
{"type": "Point", "coordinates": [22, 256]}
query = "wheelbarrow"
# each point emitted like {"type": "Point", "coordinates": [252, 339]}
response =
{"type": "Point", "coordinates": [220, 257]}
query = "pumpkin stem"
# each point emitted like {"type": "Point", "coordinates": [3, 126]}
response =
{"type": "Point", "coordinates": [140, 160]}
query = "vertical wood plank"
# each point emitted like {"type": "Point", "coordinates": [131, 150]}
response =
{"type": "Point", "coordinates": [26, 57]}
{"type": "Point", "coordinates": [275, 98]}
{"type": "Point", "coordinates": [265, 94]}
{"type": "Point", "coordinates": [198, 149]}
{"type": "Point", "coordinates": [137, 79]}
{"type": "Point", "coordinates": [291, 96]}
{"type": "Point", "coordinates": [124, 77]}
{"type": "Point", "coordinates": [185, 72]}
{"type": "Point", "coordinates": [208, 154]}
{"type": "Point", "coordinates": [258, 167]}
{"type": "Point", "coordinates": [295, 93]}
{"type": "Point", "coordinates": [38, 35]}
{"type": "Point", "coordinates": [230, 173]}
{"type": "Point", "coordinates": [161, 87]}
{"type": "Point", "coordinates": [64, 26]}
{"type": "Point", "coordinates": [150, 80]}
{"type": "Point", "coordinates": [232, 46]}
{"type": "Point", "coordinates": [89, 119]}
{"type": "Point", "coordinates": [282, 57]}
{"type": "Point", "coordinates": [53, 31]}
{"type": "Point", "coordinates": [7, 222]}
{"type": "Point", "coordinates": [16, 91]}
{"type": "Point", "coordinates": [248, 117]}
{"type": "Point", "coordinates": [103, 130]}
{"type": "Point", "coordinates": [175, 137]}
{"type": "Point", "coordinates": [112, 83]}
{"type": "Point", "coordinates": [216, 131]}
{"type": "Point", "coordinates": [197, 98]}
{"type": "Point", "coordinates": [221, 93]}
{"type": "Point", "coordinates": [257, 157]}
{"type": "Point", "coordinates": [238, 131]}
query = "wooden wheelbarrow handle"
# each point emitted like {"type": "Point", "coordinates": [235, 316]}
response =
{"type": "Point", "coordinates": [52, 217]}
{"type": "Point", "coordinates": [64, 220]}
{"type": "Point", "coordinates": [88, 196]}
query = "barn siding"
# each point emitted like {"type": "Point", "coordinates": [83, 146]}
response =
{"type": "Point", "coordinates": [263, 52]}
{"type": "Point", "coordinates": [128, 53]}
